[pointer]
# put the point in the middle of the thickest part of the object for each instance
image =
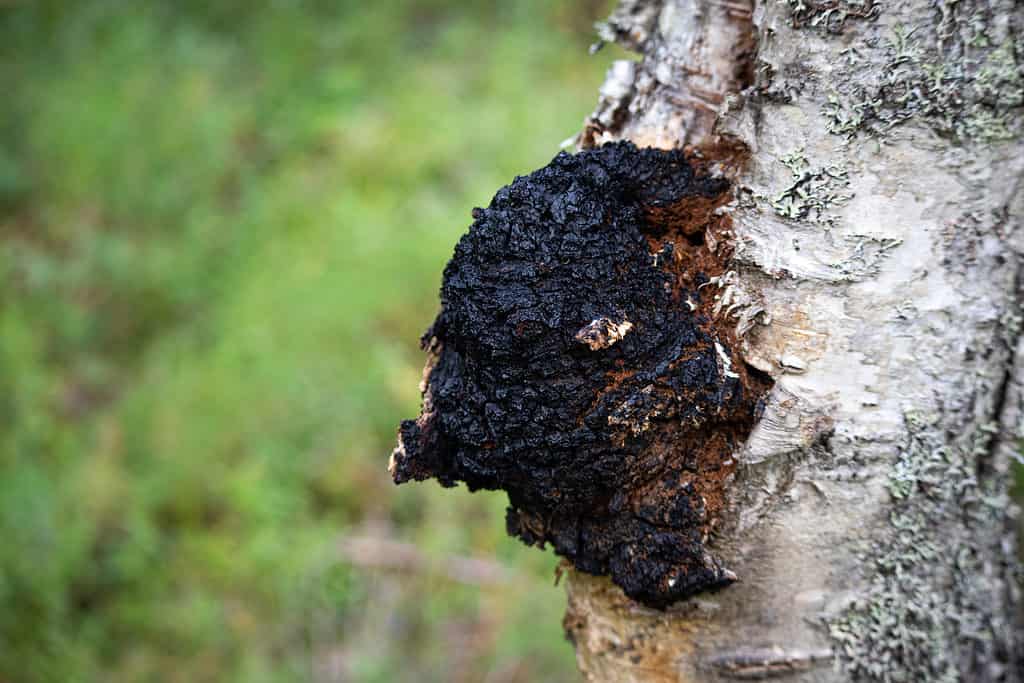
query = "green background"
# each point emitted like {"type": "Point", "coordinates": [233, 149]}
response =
{"type": "Point", "coordinates": [222, 227]}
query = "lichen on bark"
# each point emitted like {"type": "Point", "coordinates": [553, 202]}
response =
{"type": "Point", "coordinates": [576, 365]}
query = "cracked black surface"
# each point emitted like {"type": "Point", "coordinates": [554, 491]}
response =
{"type": "Point", "coordinates": [601, 450]}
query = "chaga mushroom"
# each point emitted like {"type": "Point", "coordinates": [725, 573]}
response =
{"type": "Point", "coordinates": [575, 364]}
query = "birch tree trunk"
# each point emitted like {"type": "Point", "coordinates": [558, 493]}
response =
{"type": "Point", "coordinates": [877, 159]}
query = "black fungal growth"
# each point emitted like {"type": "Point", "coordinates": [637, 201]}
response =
{"type": "Point", "coordinates": [572, 365]}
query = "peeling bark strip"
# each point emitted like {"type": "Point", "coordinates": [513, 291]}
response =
{"type": "Point", "coordinates": [576, 365]}
{"type": "Point", "coordinates": [695, 54]}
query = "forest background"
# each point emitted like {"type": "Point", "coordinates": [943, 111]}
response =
{"type": "Point", "coordinates": [222, 230]}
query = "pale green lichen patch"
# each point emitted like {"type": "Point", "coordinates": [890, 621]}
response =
{"type": "Point", "coordinates": [829, 15]}
{"type": "Point", "coordinates": [934, 608]}
{"type": "Point", "coordinates": [812, 192]}
{"type": "Point", "coordinates": [949, 74]}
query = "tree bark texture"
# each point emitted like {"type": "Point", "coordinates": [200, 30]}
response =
{"type": "Point", "coordinates": [877, 162]}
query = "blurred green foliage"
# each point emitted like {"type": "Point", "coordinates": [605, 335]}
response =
{"type": "Point", "coordinates": [222, 227]}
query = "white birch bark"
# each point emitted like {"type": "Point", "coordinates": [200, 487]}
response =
{"type": "Point", "coordinates": [878, 280]}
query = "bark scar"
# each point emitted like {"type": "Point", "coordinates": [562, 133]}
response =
{"type": "Point", "coordinates": [769, 662]}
